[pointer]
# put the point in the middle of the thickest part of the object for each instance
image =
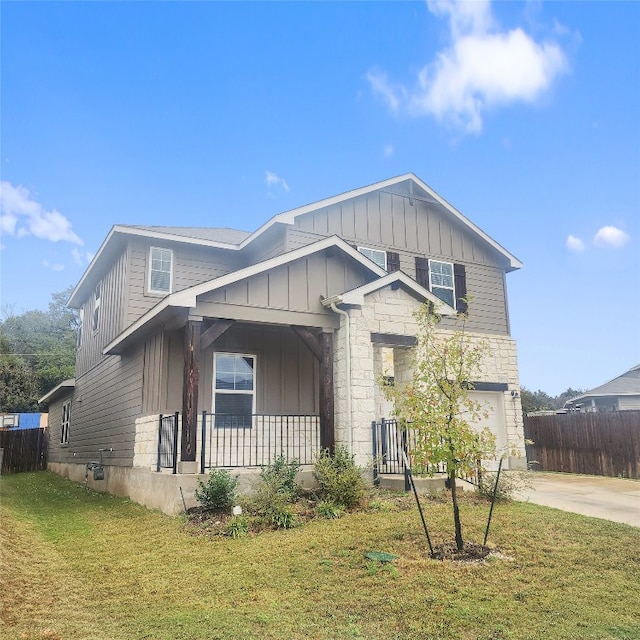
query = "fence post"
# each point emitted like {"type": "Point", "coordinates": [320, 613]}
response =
{"type": "Point", "coordinates": [374, 439]}
{"type": "Point", "coordinates": [202, 444]}
{"type": "Point", "coordinates": [407, 470]}
{"type": "Point", "coordinates": [175, 441]}
{"type": "Point", "coordinates": [159, 443]}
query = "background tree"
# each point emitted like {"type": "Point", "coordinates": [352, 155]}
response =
{"type": "Point", "coordinates": [45, 342]}
{"type": "Point", "coordinates": [17, 385]}
{"type": "Point", "coordinates": [541, 401]}
{"type": "Point", "coordinates": [437, 405]}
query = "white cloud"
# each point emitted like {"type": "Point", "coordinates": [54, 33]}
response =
{"type": "Point", "coordinates": [81, 258]}
{"type": "Point", "coordinates": [610, 237]}
{"type": "Point", "coordinates": [388, 150]}
{"type": "Point", "coordinates": [54, 266]}
{"type": "Point", "coordinates": [272, 179]}
{"type": "Point", "coordinates": [21, 216]}
{"type": "Point", "coordinates": [483, 67]}
{"type": "Point", "coordinates": [575, 245]}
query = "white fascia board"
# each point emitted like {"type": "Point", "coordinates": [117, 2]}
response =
{"type": "Point", "coordinates": [356, 296]}
{"type": "Point", "coordinates": [188, 297]}
{"type": "Point", "coordinates": [65, 384]}
{"type": "Point", "coordinates": [153, 235]}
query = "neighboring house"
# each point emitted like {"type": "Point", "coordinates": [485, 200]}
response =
{"type": "Point", "coordinates": [620, 394]}
{"type": "Point", "coordinates": [271, 341]}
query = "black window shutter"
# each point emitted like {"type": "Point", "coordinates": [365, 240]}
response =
{"type": "Point", "coordinates": [393, 261]}
{"type": "Point", "coordinates": [422, 272]}
{"type": "Point", "coordinates": [460, 283]}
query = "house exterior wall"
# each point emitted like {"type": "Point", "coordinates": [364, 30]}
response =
{"type": "Point", "coordinates": [628, 403]}
{"type": "Point", "coordinates": [106, 402]}
{"type": "Point", "coordinates": [390, 223]}
{"type": "Point", "coordinates": [297, 286]}
{"type": "Point", "coordinates": [192, 265]}
{"type": "Point", "coordinates": [389, 311]}
{"type": "Point", "coordinates": [54, 421]}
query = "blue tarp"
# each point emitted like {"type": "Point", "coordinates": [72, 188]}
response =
{"type": "Point", "coordinates": [28, 420]}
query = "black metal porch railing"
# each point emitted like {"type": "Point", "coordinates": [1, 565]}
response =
{"type": "Point", "coordinates": [390, 439]}
{"type": "Point", "coordinates": [254, 441]}
{"type": "Point", "coordinates": [168, 442]}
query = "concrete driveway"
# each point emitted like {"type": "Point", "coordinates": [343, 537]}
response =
{"type": "Point", "coordinates": [608, 498]}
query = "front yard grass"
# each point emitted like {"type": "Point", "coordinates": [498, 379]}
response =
{"type": "Point", "coordinates": [76, 565]}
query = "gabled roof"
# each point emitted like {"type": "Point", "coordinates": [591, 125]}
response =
{"type": "Point", "coordinates": [627, 384]}
{"type": "Point", "coordinates": [408, 185]}
{"type": "Point", "coordinates": [187, 298]}
{"type": "Point", "coordinates": [424, 192]}
{"type": "Point", "coordinates": [61, 389]}
{"type": "Point", "coordinates": [356, 296]}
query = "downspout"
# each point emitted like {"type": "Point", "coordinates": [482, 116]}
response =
{"type": "Point", "coordinates": [347, 345]}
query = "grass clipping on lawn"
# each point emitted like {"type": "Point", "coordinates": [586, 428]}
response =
{"type": "Point", "coordinates": [76, 564]}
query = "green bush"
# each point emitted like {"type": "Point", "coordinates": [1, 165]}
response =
{"type": "Point", "coordinates": [274, 493]}
{"type": "Point", "coordinates": [218, 493]}
{"type": "Point", "coordinates": [329, 510]}
{"type": "Point", "coordinates": [237, 527]}
{"type": "Point", "coordinates": [339, 477]}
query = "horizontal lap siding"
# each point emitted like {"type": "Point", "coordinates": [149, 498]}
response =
{"type": "Point", "coordinates": [107, 401]}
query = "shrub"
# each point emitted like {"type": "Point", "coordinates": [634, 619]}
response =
{"type": "Point", "coordinates": [510, 482]}
{"type": "Point", "coordinates": [237, 527]}
{"type": "Point", "coordinates": [218, 493]}
{"type": "Point", "coordinates": [329, 510]}
{"type": "Point", "coordinates": [339, 477]}
{"type": "Point", "coordinates": [274, 493]}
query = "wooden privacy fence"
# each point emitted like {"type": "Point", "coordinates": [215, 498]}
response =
{"type": "Point", "coordinates": [603, 444]}
{"type": "Point", "coordinates": [23, 450]}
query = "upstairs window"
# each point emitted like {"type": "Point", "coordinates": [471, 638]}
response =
{"type": "Point", "coordinates": [234, 389]}
{"type": "Point", "coordinates": [160, 270]}
{"type": "Point", "coordinates": [96, 306]}
{"type": "Point", "coordinates": [375, 255]}
{"type": "Point", "coordinates": [80, 327]}
{"type": "Point", "coordinates": [441, 281]}
{"type": "Point", "coordinates": [64, 426]}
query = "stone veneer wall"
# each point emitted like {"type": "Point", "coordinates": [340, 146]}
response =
{"type": "Point", "coordinates": [391, 311]}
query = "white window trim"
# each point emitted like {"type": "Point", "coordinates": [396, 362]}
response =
{"type": "Point", "coordinates": [452, 288]}
{"type": "Point", "coordinates": [66, 420]}
{"type": "Point", "coordinates": [95, 320]}
{"type": "Point", "coordinates": [372, 250]}
{"type": "Point", "coordinates": [80, 327]}
{"type": "Point", "coordinates": [253, 392]}
{"type": "Point", "coordinates": [150, 265]}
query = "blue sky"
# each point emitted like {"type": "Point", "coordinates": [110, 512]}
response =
{"type": "Point", "coordinates": [525, 116]}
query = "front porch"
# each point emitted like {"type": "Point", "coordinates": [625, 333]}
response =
{"type": "Point", "coordinates": [237, 441]}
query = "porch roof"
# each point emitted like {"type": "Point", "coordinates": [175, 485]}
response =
{"type": "Point", "coordinates": [174, 309]}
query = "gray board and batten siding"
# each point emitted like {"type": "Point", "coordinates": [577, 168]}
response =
{"type": "Point", "coordinates": [387, 221]}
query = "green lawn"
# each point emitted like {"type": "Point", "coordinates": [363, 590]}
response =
{"type": "Point", "coordinates": [77, 564]}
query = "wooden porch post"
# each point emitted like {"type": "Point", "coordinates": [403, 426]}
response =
{"type": "Point", "coordinates": [327, 435]}
{"type": "Point", "coordinates": [190, 389]}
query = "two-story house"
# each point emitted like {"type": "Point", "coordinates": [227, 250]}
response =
{"type": "Point", "coordinates": [205, 347]}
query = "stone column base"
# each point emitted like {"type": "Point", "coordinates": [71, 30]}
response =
{"type": "Point", "coordinates": [188, 467]}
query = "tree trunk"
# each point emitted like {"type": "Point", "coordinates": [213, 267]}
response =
{"type": "Point", "coordinates": [456, 510]}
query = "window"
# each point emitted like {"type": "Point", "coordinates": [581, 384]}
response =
{"type": "Point", "coordinates": [234, 389]}
{"type": "Point", "coordinates": [64, 427]}
{"type": "Point", "coordinates": [441, 281]}
{"type": "Point", "coordinates": [80, 327]}
{"type": "Point", "coordinates": [96, 307]}
{"type": "Point", "coordinates": [160, 270]}
{"type": "Point", "coordinates": [376, 255]}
